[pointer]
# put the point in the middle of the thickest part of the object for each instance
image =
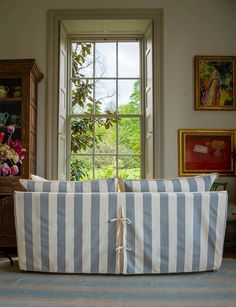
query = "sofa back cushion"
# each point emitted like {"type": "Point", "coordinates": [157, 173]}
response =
{"type": "Point", "coordinates": [185, 184]}
{"type": "Point", "coordinates": [37, 178]}
{"type": "Point", "coordinates": [99, 185]}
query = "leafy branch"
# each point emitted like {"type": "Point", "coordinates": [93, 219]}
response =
{"type": "Point", "coordinates": [82, 129]}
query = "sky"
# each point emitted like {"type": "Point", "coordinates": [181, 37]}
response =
{"type": "Point", "coordinates": [105, 66]}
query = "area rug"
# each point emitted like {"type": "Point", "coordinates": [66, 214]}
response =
{"type": "Point", "coordinates": [216, 289]}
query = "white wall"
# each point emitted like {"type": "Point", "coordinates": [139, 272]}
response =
{"type": "Point", "coordinates": [191, 27]}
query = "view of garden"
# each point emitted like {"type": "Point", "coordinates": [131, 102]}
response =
{"type": "Point", "coordinates": [106, 114]}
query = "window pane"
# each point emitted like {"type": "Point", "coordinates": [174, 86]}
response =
{"type": "Point", "coordinates": [81, 135]}
{"type": "Point", "coordinates": [128, 60]}
{"type": "Point", "coordinates": [97, 148]}
{"type": "Point", "coordinates": [105, 135]}
{"type": "Point", "coordinates": [105, 60]}
{"type": "Point", "coordinates": [129, 135]}
{"type": "Point", "coordinates": [105, 96]}
{"type": "Point", "coordinates": [129, 167]}
{"type": "Point", "coordinates": [105, 167]}
{"type": "Point", "coordinates": [82, 96]}
{"type": "Point", "coordinates": [129, 97]}
{"type": "Point", "coordinates": [82, 60]}
{"type": "Point", "coordinates": [81, 168]}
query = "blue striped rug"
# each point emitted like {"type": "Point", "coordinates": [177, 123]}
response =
{"type": "Point", "coordinates": [216, 289]}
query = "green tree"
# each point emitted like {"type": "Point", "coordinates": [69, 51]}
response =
{"type": "Point", "coordinates": [129, 132]}
{"type": "Point", "coordinates": [129, 140]}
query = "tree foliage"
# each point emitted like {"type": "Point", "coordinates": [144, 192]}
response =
{"type": "Point", "coordinates": [82, 129]}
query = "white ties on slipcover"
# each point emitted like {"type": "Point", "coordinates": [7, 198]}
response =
{"type": "Point", "coordinates": [121, 249]}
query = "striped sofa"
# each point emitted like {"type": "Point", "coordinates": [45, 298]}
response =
{"type": "Point", "coordinates": [120, 233]}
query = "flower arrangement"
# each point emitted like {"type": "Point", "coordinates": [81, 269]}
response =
{"type": "Point", "coordinates": [11, 153]}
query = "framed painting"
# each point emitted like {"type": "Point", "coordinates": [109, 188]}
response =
{"type": "Point", "coordinates": [207, 151]}
{"type": "Point", "coordinates": [215, 87]}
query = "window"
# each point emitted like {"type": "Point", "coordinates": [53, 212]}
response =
{"type": "Point", "coordinates": [64, 28]}
{"type": "Point", "coordinates": [105, 117]}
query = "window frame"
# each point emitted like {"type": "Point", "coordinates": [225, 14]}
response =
{"type": "Point", "coordinates": [55, 19]}
{"type": "Point", "coordinates": [140, 116]}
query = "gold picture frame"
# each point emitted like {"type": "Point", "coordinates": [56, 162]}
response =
{"type": "Point", "coordinates": [215, 85]}
{"type": "Point", "coordinates": [206, 151]}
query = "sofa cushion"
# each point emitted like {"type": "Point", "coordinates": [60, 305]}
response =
{"type": "Point", "coordinates": [185, 184]}
{"type": "Point", "coordinates": [99, 185]}
{"type": "Point", "coordinates": [37, 178]}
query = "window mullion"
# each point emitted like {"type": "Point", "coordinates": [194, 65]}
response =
{"type": "Point", "coordinates": [94, 118]}
{"type": "Point", "coordinates": [104, 115]}
{"type": "Point", "coordinates": [69, 109]}
{"type": "Point", "coordinates": [105, 78]}
{"type": "Point", "coordinates": [117, 157]}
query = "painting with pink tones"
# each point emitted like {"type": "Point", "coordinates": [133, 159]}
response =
{"type": "Point", "coordinates": [215, 83]}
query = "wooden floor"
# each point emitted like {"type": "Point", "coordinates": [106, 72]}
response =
{"type": "Point", "coordinates": [203, 289]}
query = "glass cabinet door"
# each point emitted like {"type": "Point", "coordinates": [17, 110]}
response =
{"type": "Point", "coordinates": [11, 150]}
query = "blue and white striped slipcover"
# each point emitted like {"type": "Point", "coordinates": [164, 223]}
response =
{"type": "Point", "coordinates": [120, 233]}
{"type": "Point", "coordinates": [199, 183]}
{"type": "Point", "coordinates": [93, 186]}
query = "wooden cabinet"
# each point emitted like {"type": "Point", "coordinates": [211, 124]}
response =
{"type": "Point", "coordinates": [230, 234]}
{"type": "Point", "coordinates": [18, 108]}
{"type": "Point", "coordinates": [7, 222]}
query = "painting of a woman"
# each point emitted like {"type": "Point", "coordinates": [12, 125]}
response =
{"type": "Point", "coordinates": [211, 95]}
{"type": "Point", "coordinates": [215, 83]}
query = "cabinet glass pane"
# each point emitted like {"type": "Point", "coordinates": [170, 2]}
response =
{"type": "Point", "coordinates": [12, 152]}
{"type": "Point", "coordinates": [18, 117]}
{"type": "Point", "coordinates": [10, 113]}
{"type": "Point", "coordinates": [10, 88]}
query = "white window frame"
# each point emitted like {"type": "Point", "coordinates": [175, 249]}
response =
{"type": "Point", "coordinates": [140, 116]}
{"type": "Point", "coordinates": [55, 17]}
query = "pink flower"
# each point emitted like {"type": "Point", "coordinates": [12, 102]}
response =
{"type": "Point", "coordinates": [1, 136]}
{"type": "Point", "coordinates": [12, 153]}
{"type": "Point", "coordinates": [4, 169]}
{"type": "Point", "coordinates": [14, 170]}
{"type": "Point", "coordinates": [16, 145]}
{"type": "Point", "coordinates": [10, 129]}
